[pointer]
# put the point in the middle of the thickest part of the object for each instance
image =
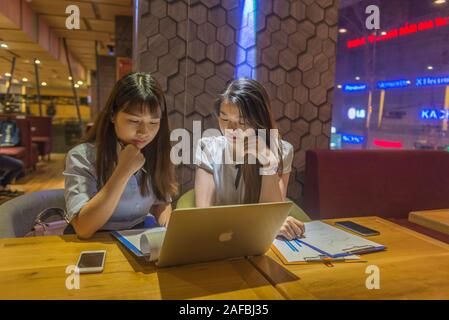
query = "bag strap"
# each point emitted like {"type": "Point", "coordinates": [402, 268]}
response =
{"type": "Point", "coordinates": [49, 212]}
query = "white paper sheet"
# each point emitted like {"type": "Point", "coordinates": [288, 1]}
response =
{"type": "Point", "coordinates": [336, 242]}
{"type": "Point", "coordinates": [147, 241]}
{"type": "Point", "coordinates": [294, 252]}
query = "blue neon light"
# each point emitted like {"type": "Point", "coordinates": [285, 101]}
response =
{"type": "Point", "coordinates": [432, 81]}
{"type": "Point", "coordinates": [352, 139]}
{"type": "Point", "coordinates": [402, 83]}
{"type": "Point", "coordinates": [354, 87]}
{"type": "Point", "coordinates": [246, 58]}
{"type": "Point", "coordinates": [434, 114]}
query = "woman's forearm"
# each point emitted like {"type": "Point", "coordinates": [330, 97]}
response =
{"type": "Point", "coordinates": [162, 213]}
{"type": "Point", "coordinates": [204, 189]}
{"type": "Point", "coordinates": [270, 190]}
{"type": "Point", "coordinates": [100, 208]}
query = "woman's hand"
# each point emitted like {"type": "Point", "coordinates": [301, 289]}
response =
{"type": "Point", "coordinates": [257, 148]}
{"type": "Point", "coordinates": [292, 229]}
{"type": "Point", "coordinates": [130, 160]}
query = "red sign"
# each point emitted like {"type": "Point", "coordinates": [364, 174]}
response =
{"type": "Point", "coordinates": [399, 32]}
{"type": "Point", "coordinates": [387, 144]}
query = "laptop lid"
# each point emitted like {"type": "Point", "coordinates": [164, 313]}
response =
{"type": "Point", "coordinates": [222, 232]}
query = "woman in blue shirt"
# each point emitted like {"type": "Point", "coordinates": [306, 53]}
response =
{"type": "Point", "coordinates": [121, 171]}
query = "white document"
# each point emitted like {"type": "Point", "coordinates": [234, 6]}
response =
{"type": "Point", "coordinates": [294, 251]}
{"type": "Point", "coordinates": [334, 242]}
{"type": "Point", "coordinates": [143, 242]}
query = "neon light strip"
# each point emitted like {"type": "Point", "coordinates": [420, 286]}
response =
{"type": "Point", "coordinates": [387, 144]}
{"type": "Point", "coordinates": [399, 32]}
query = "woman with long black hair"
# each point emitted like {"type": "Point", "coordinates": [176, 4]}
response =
{"type": "Point", "coordinates": [244, 112]}
{"type": "Point", "coordinates": [121, 170]}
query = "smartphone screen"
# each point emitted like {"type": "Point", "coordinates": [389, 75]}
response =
{"type": "Point", "coordinates": [357, 228]}
{"type": "Point", "coordinates": [91, 260]}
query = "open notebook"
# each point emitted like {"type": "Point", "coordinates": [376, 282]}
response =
{"type": "Point", "coordinates": [145, 243]}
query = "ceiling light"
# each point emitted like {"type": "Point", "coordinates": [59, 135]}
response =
{"type": "Point", "coordinates": [4, 45]}
{"type": "Point", "coordinates": [7, 74]}
{"type": "Point", "coordinates": [70, 78]}
{"type": "Point", "coordinates": [37, 61]}
{"type": "Point", "coordinates": [43, 83]}
{"type": "Point", "coordinates": [342, 30]}
{"type": "Point", "coordinates": [439, 1]}
{"type": "Point", "coordinates": [429, 67]}
{"type": "Point", "coordinates": [76, 85]}
{"type": "Point", "coordinates": [339, 86]}
{"type": "Point", "coordinates": [357, 78]}
{"type": "Point", "coordinates": [24, 79]}
{"type": "Point", "coordinates": [80, 82]}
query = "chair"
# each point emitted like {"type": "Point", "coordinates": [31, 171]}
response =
{"type": "Point", "coordinates": [26, 151]}
{"type": "Point", "coordinates": [41, 134]}
{"type": "Point", "coordinates": [17, 216]}
{"type": "Point", "coordinates": [385, 183]}
{"type": "Point", "coordinates": [187, 200]}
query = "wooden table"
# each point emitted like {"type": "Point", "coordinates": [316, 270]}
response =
{"type": "Point", "coordinates": [34, 268]}
{"type": "Point", "coordinates": [413, 267]}
{"type": "Point", "coordinates": [437, 220]}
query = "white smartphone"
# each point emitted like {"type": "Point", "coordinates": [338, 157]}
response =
{"type": "Point", "coordinates": [91, 261]}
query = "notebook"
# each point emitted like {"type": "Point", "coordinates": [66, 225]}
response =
{"type": "Point", "coordinates": [295, 252]}
{"type": "Point", "coordinates": [334, 242]}
{"type": "Point", "coordinates": [145, 243]}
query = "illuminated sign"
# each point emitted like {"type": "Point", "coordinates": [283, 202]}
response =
{"type": "Point", "coordinates": [387, 144]}
{"type": "Point", "coordinates": [352, 139]}
{"type": "Point", "coordinates": [401, 83]}
{"type": "Point", "coordinates": [335, 141]}
{"type": "Point", "coordinates": [434, 114]}
{"type": "Point", "coordinates": [393, 84]}
{"type": "Point", "coordinates": [405, 30]}
{"type": "Point", "coordinates": [354, 87]}
{"type": "Point", "coordinates": [354, 113]}
{"type": "Point", "coordinates": [432, 81]}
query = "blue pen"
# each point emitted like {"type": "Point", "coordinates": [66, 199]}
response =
{"type": "Point", "coordinates": [298, 242]}
{"type": "Point", "coordinates": [291, 246]}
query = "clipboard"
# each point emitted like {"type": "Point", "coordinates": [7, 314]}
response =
{"type": "Point", "coordinates": [334, 242]}
{"type": "Point", "coordinates": [293, 253]}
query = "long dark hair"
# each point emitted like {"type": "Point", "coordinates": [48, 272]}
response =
{"type": "Point", "coordinates": [254, 106]}
{"type": "Point", "coordinates": [135, 91]}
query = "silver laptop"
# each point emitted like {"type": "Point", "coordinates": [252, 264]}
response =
{"type": "Point", "coordinates": [222, 232]}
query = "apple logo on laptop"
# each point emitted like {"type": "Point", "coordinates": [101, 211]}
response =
{"type": "Point", "coordinates": [225, 236]}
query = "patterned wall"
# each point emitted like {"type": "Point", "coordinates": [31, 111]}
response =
{"type": "Point", "coordinates": [191, 47]}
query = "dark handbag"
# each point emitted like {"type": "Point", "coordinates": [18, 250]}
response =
{"type": "Point", "coordinates": [50, 222]}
